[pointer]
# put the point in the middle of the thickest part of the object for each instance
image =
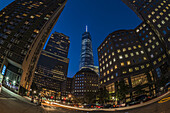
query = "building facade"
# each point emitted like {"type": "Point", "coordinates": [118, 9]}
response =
{"type": "Point", "coordinates": [156, 14]}
{"type": "Point", "coordinates": [24, 28]}
{"type": "Point", "coordinates": [85, 81]}
{"type": "Point", "coordinates": [52, 67]}
{"type": "Point", "coordinates": [136, 57]}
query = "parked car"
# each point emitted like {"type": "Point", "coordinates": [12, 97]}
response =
{"type": "Point", "coordinates": [108, 106]}
{"type": "Point", "coordinates": [90, 106]}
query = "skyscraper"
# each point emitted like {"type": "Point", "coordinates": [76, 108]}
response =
{"type": "Point", "coordinates": [156, 14]}
{"type": "Point", "coordinates": [51, 70]}
{"type": "Point", "coordinates": [86, 59]}
{"type": "Point", "coordinates": [24, 28]}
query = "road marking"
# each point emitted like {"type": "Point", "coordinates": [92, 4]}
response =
{"type": "Point", "coordinates": [164, 100]}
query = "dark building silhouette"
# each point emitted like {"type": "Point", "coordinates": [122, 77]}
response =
{"type": "Point", "coordinates": [51, 71]}
{"type": "Point", "coordinates": [69, 85]}
{"type": "Point", "coordinates": [24, 28]}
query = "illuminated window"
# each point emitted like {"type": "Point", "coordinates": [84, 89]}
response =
{"type": "Point", "coordinates": [129, 48]}
{"type": "Point", "coordinates": [159, 6]}
{"type": "Point", "coordinates": [156, 9]}
{"type": "Point", "coordinates": [113, 54]}
{"type": "Point", "coordinates": [142, 66]}
{"type": "Point", "coordinates": [36, 31]}
{"type": "Point", "coordinates": [32, 17]}
{"type": "Point", "coordinates": [105, 54]}
{"type": "Point", "coordinates": [106, 65]}
{"type": "Point", "coordinates": [139, 46]}
{"type": "Point", "coordinates": [108, 79]}
{"type": "Point", "coordinates": [166, 18]}
{"type": "Point", "coordinates": [104, 80]}
{"type": "Point", "coordinates": [149, 16]}
{"type": "Point", "coordinates": [24, 14]}
{"type": "Point", "coordinates": [124, 49]}
{"type": "Point", "coordinates": [122, 64]}
{"type": "Point", "coordinates": [134, 47]}
{"type": "Point", "coordinates": [111, 69]}
{"type": "Point", "coordinates": [118, 50]}
{"type": "Point", "coordinates": [149, 49]}
{"type": "Point", "coordinates": [144, 58]}
{"type": "Point", "coordinates": [101, 82]}
{"type": "Point", "coordinates": [136, 68]}
{"type": "Point", "coordinates": [124, 72]}
{"type": "Point", "coordinates": [154, 62]}
{"type": "Point", "coordinates": [112, 77]}
{"type": "Point", "coordinates": [154, 20]}
{"type": "Point", "coordinates": [126, 55]}
{"type": "Point", "coordinates": [107, 71]}
{"type": "Point", "coordinates": [153, 38]}
{"type": "Point", "coordinates": [150, 41]}
{"type": "Point", "coordinates": [130, 70]}
{"type": "Point", "coordinates": [159, 59]}
{"type": "Point", "coordinates": [164, 56]}
{"type": "Point", "coordinates": [105, 59]}
{"type": "Point", "coordinates": [128, 62]}
{"type": "Point", "coordinates": [120, 57]}
{"type": "Point", "coordinates": [163, 22]}
{"type": "Point", "coordinates": [131, 54]}
{"type": "Point", "coordinates": [161, 13]}
{"type": "Point", "coordinates": [153, 12]}
{"type": "Point", "coordinates": [158, 17]}
{"type": "Point", "coordinates": [137, 53]}
{"type": "Point", "coordinates": [153, 46]}
{"type": "Point", "coordinates": [115, 66]}
{"type": "Point", "coordinates": [110, 62]}
{"type": "Point", "coordinates": [147, 65]}
{"type": "Point", "coordinates": [104, 74]}
{"type": "Point", "coordinates": [109, 56]}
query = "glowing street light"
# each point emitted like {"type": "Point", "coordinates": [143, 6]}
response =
{"type": "Point", "coordinates": [14, 82]}
{"type": "Point", "coordinates": [7, 78]}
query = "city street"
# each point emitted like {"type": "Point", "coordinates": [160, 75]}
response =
{"type": "Point", "coordinates": [18, 104]}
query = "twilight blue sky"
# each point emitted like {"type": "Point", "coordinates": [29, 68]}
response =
{"type": "Point", "coordinates": [102, 18]}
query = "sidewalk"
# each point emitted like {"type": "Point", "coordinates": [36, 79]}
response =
{"type": "Point", "coordinates": [17, 96]}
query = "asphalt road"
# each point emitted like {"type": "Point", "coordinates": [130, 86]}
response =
{"type": "Point", "coordinates": [10, 104]}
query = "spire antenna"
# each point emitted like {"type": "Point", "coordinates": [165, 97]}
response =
{"type": "Point", "coordinates": [86, 28]}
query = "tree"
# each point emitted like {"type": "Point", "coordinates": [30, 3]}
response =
{"type": "Point", "coordinates": [122, 90]}
{"type": "Point", "coordinates": [89, 97]}
{"type": "Point", "coordinates": [103, 95]}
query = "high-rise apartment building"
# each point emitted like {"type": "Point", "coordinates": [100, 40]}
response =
{"type": "Point", "coordinates": [51, 70]}
{"type": "Point", "coordinates": [86, 59]}
{"type": "Point", "coordinates": [24, 28]}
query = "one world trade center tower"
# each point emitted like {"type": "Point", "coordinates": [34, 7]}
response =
{"type": "Point", "coordinates": [86, 58]}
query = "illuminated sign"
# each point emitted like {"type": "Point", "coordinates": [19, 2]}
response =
{"type": "Point", "coordinates": [3, 70]}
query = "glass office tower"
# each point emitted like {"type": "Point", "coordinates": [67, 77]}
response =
{"type": "Point", "coordinates": [86, 59]}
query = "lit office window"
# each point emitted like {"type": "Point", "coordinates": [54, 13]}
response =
{"type": "Point", "coordinates": [131, 70]}
{"type": "Point", "coordinates": [128, 62]}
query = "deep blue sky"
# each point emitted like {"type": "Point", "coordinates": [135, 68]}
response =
{"type": "Point", "coordinates": [102, 18]}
